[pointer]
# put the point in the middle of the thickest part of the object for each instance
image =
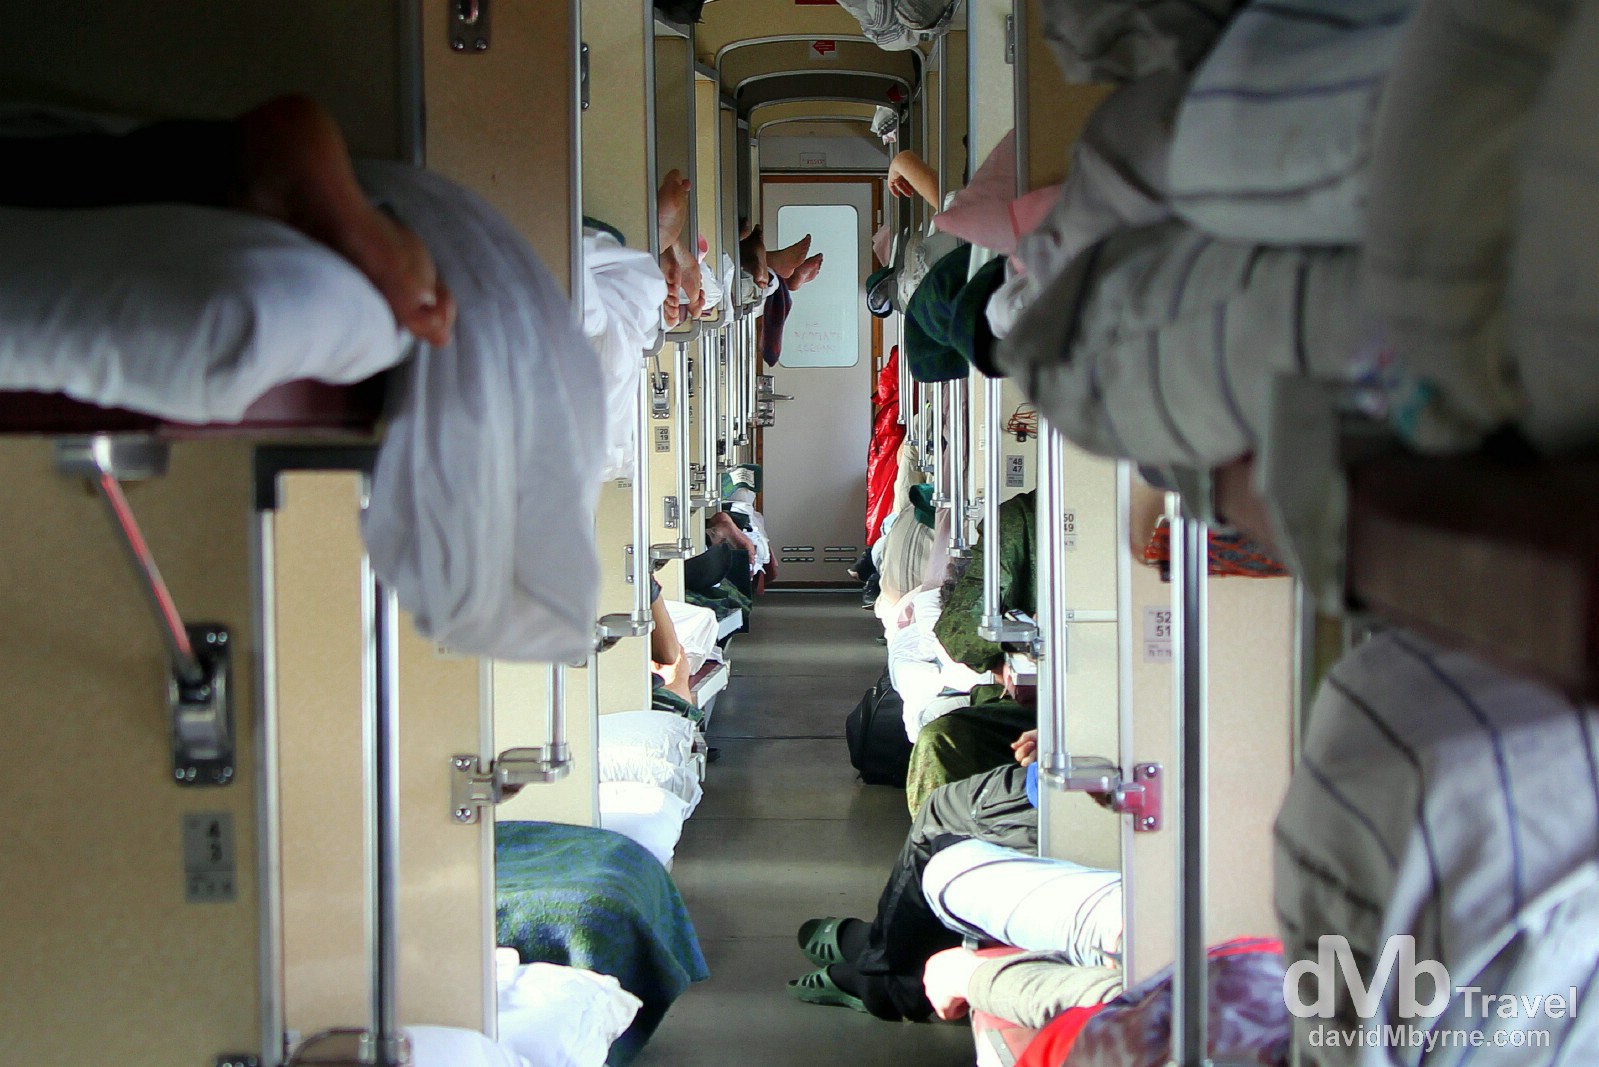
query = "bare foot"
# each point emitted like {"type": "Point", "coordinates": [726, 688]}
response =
{"type": "Point", "coordinates": [785, 261]}
{"type": "Point", "coordinates": [671, 207]}
{"type": "Point", "coordinates": [752, 256]}
{"type": "Point", "coordinates": [294, 167]}
{"type": "Point", "coordinates": [806, 271]}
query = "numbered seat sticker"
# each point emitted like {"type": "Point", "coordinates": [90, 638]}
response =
{"type": "Point", "coordinates": [208, 864]}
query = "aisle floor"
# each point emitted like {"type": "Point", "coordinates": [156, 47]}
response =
{"type": "Point", "coordinates": [786, 832]}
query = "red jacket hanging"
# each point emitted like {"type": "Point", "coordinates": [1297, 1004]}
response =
{"type": "Point", "coordinates": [882, 461]}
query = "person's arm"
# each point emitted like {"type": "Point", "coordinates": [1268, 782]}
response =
{"type": "Point", "coordinates": [909, 175]}
{"type": "Point", "coordinates": [1028, 988]}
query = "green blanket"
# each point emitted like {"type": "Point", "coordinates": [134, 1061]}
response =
{"type": "Point", "coordinates": [590, 898]}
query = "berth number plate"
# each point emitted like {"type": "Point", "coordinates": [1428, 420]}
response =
{"type": "Point", "coordinates": [1069, 523]}
{"type": "Point", "coordinates": [1015, 472]}
{"type": "Point", "coordinates": [1157, 635]}
{"type": "Point", "coordinates": [208, 867]}
{"type": "Point", "coordinates": [663, 439]}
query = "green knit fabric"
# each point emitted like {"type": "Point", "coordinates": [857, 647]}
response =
{"type": "Point", "coordinates": [966, 742]}
{"type": "Point", "coordinates": [970, 331]}
{"type": "Point", "coordinates": [957, 626]}
{"type": "Point", "coordinates": [929, 347]}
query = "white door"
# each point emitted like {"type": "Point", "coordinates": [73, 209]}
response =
{"type": "Point", "coordinates": [814, 458]}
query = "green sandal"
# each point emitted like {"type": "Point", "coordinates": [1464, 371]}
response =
{"type": "Point", "coordinates": [818, 939]}
{"type": "Point", "coordinates": [818, 988]}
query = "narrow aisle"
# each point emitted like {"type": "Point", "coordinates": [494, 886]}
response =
{"type": "Point", "coordinates": [787, 832]}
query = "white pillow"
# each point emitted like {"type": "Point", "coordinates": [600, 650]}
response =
{"type": "Point", "coordinates": [447, 1046]}
{"type": "Point", "coordinates": [647, 813]}
{"type": "Point", "coordinates": [555, 1016]}
{"type": "Point", "coordinates": [183, 312]}
{"type": "Point", "coordinates": [652, 747]}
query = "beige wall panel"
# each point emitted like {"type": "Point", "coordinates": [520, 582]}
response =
{"type": "Point", "coordinates": [707, 170]}
{"type": "Point", "coordinates": [624, 669]}
{"type": "Point", "coordinates": [106, 959]}
{"type": "Point", "coordinates": [500, 122]}
{"type": "Point", "coordinates": [1249, 747]}
{"type": "Point", "coordinates": [443, 905]}
{"type": "Point", "coordinates": [193, 58]}
{"type": "Point", "coordinates": [993, 78]}
{"type": "Point", "coordinates": [1079, 829]}
{"type": "Point", "coordinates": [615, 185]}
{"type": "Point", "coordinates": [1056, 112]}
{"type": "Point", "coordinates": [521, 709]}
{"type": "Point", "coordinates": [317, 549]}
{"type": "Point", "coordinates": [1090, 500]}
{"type": "Point", "coordinates": [726, 21]}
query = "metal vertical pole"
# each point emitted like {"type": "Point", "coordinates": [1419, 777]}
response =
{"type": "Point", "coordinates": [958, 455]}
{"type": "Point", "coordinates": [995, 479]}
{"type": "Point", "coordinates": [936, 444]}
{"type": "Point", "coordinates": [381, 713]}
{"type": "Point", "coordinates": [1054, 755]}
{"type": "Point", "coordinates": [1190, 564]}
{"type": "Point", "coordinates": [641, 500]}
{"type": "Point", "coordinates": [709, 349]}
{"type": "Point", "coordinates": [1125, 623]}
{"type": "Point", "coordinates": [685, 543]}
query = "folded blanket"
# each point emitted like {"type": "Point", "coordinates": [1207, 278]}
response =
{"type": "Point", "coordinates": [1161, 344]}
{"type": "Point", "coordinates": [591, 898]}
{"type": "Point", "coordinates": [1274, 137]}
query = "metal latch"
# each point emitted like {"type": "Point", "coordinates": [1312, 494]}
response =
{"type": "Point", "coordinates": [583, 75]}
{"type": "Point", "coordinates": [1141, 798]}
{"type": "Point", "coordinates": [469, 25]}
{"type": "Point", "coordinates": [474, 787]}
{"type": "Point", "coordinates": [660, 395]}
{"type": "Point", "coordinates": [202, 711]}
{"type": "Point", "coordinates": [1010, 39]}
{"type": "Point", "coordinates": [671, 513]}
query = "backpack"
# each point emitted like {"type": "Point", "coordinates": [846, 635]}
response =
{"type": "Point", "coordinates": [875, 732]}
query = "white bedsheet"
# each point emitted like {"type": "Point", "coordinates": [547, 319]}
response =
{"type": "Point", "coordinates": [696, 631]}
{"type": "Point", "coordinates": [483, 505]}
{"type": "Point", "coordinates": [623, 289]}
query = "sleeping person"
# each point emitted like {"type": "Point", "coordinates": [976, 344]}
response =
{"type": "Point", "coordinates": [286, 160]}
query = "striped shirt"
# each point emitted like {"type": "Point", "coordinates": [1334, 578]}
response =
{"type": "Point", "coordinates": [1440, 799]}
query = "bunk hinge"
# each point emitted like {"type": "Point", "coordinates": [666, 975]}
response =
{"type": "Point", "coordinates": [1140, 796]}
{"type": "Point", "coordinates": [474, 787]}
{"type": "Point", "coordinates": [1010, 39]}
{"type": "Point", "coordinates": [583, 74]}
{"type": "Point", "coordinates": [469, 25]}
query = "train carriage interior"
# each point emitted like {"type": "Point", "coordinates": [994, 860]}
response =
{"type": "Point", "coordinates": [684, 533]}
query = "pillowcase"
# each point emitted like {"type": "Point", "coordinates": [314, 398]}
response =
{"type": "Point", "coordinates": [554, 1016]}
{"type": "Point", "coordinates": [447, 1046]}
{"type": "Point", "coordinates": [186, 313]}
{"type": "Point", "coordinates": [652, 748]}
{"type": "Point", "coordinates": [648, 814]}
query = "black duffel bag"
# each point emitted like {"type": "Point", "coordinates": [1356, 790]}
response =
{"type": "Point", "coordinates": [875, 731]}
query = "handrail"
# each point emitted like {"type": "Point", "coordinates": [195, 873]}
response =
{"type": "Point", "coordinates": [1190, 561]}
{"type": "Point", "coordinates": [680, 416]}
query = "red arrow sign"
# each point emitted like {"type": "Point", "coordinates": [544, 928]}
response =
{"type": "Point", "coordinates": [824, 49]}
